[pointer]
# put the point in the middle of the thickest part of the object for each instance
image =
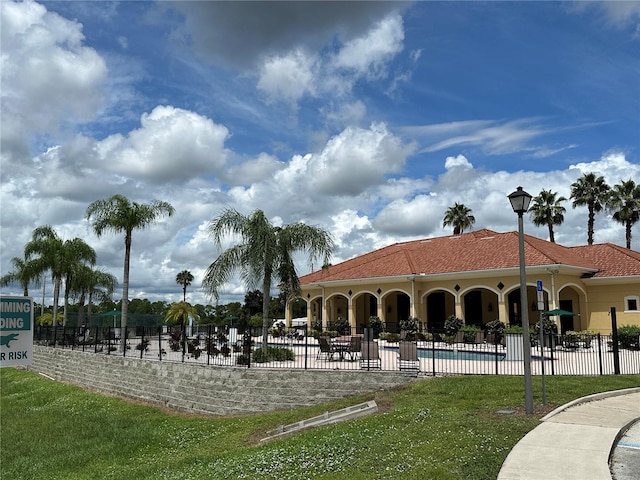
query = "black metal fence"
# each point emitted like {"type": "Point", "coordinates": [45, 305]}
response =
{"type": "Point", "coordinates": [430, 353]}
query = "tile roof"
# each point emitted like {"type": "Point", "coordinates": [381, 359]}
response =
{"type": "Point", "coordinates": [612, 260]}
{"type": "Point", "coordinates": [477, 251]}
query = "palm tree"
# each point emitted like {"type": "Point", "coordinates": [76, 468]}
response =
{"type": "Point", "coordinates": [264, 254]}
{"type": "Point", "coordinates": [593, 192]}
{"type": "Point", "coordinates": [91, 283]}
{"type": "Point", "coordinates": [75, 253]}
{"type": "Point", "coordinates": [184, 278]}
{"type": "Point", "coordinates": [59, 257]}
{"type": "Point", "coordinates": [624, 202]}
{"type": "Point", "coordinates": [180, 312]}
{"type": "Point", "coordinates": [118, 214]}
{"type": "Point", "coordinates": [459, 217]}
{"type": "Point", "coordinates": [24, 272]}
{"type": "Point", "coordinates": [546, 210]}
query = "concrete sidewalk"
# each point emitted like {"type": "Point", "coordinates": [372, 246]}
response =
{"type": "Point", "coordinates": [575, 440]}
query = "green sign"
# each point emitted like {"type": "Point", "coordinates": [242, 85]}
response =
{"type": "Point", "coordinates": [16, 331]}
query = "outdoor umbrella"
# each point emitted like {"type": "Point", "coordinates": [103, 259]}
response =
{"type": "Point", "coordinates": [559, 311]}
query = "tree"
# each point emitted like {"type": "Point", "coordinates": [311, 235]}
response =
{"type": "Point", "coordinates": [24, 272]}
{"type": "Point", "coordinates": [624, 202]}
{"type": "Point", "coordinates": [264, 254]}
{"type": "Point", "coordinates": [184, 278]}
{"type": "Point", "coordinates": [592, 192]}
{"type": "Point", "coordinates": [459, 217]}
{"type": "Point", "coordinates": [118, 214]}
{"type": "Point", "coordinates": [92, 284]}
{"type": "Point", "coordinates": [59, 257]}
{"type": "Point", "coordinates": [546, 210]}
{"type": "Point", "coordinates": [76, 254]}
{"type": "Point", "coordinates": [180, 312]}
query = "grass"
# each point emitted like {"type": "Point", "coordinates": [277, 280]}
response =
{"type": "Point", "coordinates": [443, 428]}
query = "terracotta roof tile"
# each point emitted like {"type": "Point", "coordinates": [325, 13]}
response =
{"type": "Point", "coordinates": [612, 260]}
{"type": "Point", "coordinates": [477, 251]}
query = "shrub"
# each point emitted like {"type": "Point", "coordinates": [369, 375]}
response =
{"type": "Point", "coordinates": [390, 337]}
{"type": "Point", "coordinates": [242, 360]}
{"type": "Point", "coordinates": [452, 325]}
{"type": "Point", "coordinates": [549, 327]}
{"type": "Point", "coordinates": [175, 340]}
{"type": "Point", "coordinates": [376, 324]}
{"type": "Point", "coordinates": [273, 354]}
{"type": "Point", "coordinates": [342, 326]}
{"type": "Point", "coordinates": [143, 345]}
{"type": "Point", "coordinates": [410, 326]}
{"type": "Point", "coordinates": [629, 337]}
{"type": "Point", "coordinates": [469, 333]}
{"type": "Point", "coordinates": [495, 327]}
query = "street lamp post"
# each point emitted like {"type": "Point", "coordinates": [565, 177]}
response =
{"type": "Point", "coordinates": [520, 203]}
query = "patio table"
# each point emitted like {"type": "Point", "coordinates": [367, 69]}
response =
{"type": "Point", "coordinates": [340, 347]}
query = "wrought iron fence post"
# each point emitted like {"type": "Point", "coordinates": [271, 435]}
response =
{"type": "Point", "coordinates": [614, 338]}
{"type": "Point", "coordinates": [600, 354]}
{"type": "Point", "coordinates": [433, 353]}
{"type": "Point", "coordinates": [160, 342]}
{"type": "Point", "coordinates": [306, 345]}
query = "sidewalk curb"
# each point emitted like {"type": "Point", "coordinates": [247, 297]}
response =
{"type": "Point", "coordinates": [589, 398]}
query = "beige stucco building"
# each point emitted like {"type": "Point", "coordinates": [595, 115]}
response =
{"type": "Point", "coordinates": [475, 276]}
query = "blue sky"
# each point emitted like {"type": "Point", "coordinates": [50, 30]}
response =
{"type": "Point", "coordinates": [368, 119]}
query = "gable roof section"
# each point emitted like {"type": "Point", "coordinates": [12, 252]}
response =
{"type": "Point", "coordinates": [477, 251]}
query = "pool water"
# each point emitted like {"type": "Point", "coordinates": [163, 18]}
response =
{"type": "Point", "coordinates": [454, 355]}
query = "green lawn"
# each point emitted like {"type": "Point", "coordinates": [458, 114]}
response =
{"type": "Point", "coordinates": [444, 428]}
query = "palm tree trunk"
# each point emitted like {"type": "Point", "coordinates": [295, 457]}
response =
{"type": "Point", "coordinates": [551, 237]}
{"type": "Point", "coordinates": [590, 224]}
{"type": "Point", "coordinates": [266, 289]}
{"type": "Point", "coordinates": [125, 290]}
{"type": "Point", "coordinates": [56, 294]}
{"type": "Point", "coordinates": [628, 233]}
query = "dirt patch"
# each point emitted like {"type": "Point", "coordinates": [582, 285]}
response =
{"type": "Point", "coordinates": [539, 411]}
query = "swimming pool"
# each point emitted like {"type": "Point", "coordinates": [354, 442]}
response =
{"type": "Point", "coordinates": [454, 354]}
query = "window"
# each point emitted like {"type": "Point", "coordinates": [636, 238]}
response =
{"type": "Point", "coordinates": [631, 304]}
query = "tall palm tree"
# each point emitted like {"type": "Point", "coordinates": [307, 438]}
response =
{"type": "Point", "coordinates": [264, 254]}
{"type": "Point", "coordinates": [184, 278]}
{"type": "Point", "coordinates": [118, 214]}
{"type": "Point", "coordinates": [57, 256]}
{"type": "Point", "coordinates": [592, 192]}
{"type": "Point", "coordinates": [547, 210]}
{"type": "Point", "coordinates": [459, 217]}
{"type": "Point", "coordinates": [24, 272]}
{"type": "Point", "coordinates": [91, 283]}
{"type": "Point", "coordinates": [624, 202]}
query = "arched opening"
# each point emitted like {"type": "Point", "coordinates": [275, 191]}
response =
{"type": "Point", "coordinates": [515, 311]}
{"type": "Point", "coordinates": [479, 307]}
{"type": "Point", "coordinates": [365, 305]}
{"type": "Point", "coordinates": [569, 300]}
{"type": "Point", "coordinates": [397, 306]}
{"type": "Point", "coordinates": [440, 305]}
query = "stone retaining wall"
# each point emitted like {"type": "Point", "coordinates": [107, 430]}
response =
{"type": "Point", "coordinates": [208, 389]}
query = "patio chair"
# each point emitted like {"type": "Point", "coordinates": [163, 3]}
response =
{"type": "Point", "coordinates": [325, 348]}
{"type": "Point", "coordinates": [355, 345]}
{"type": "Point", "coordinates": [370, 356]}
{"type": "Point", "coordinates": [408, 356]}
